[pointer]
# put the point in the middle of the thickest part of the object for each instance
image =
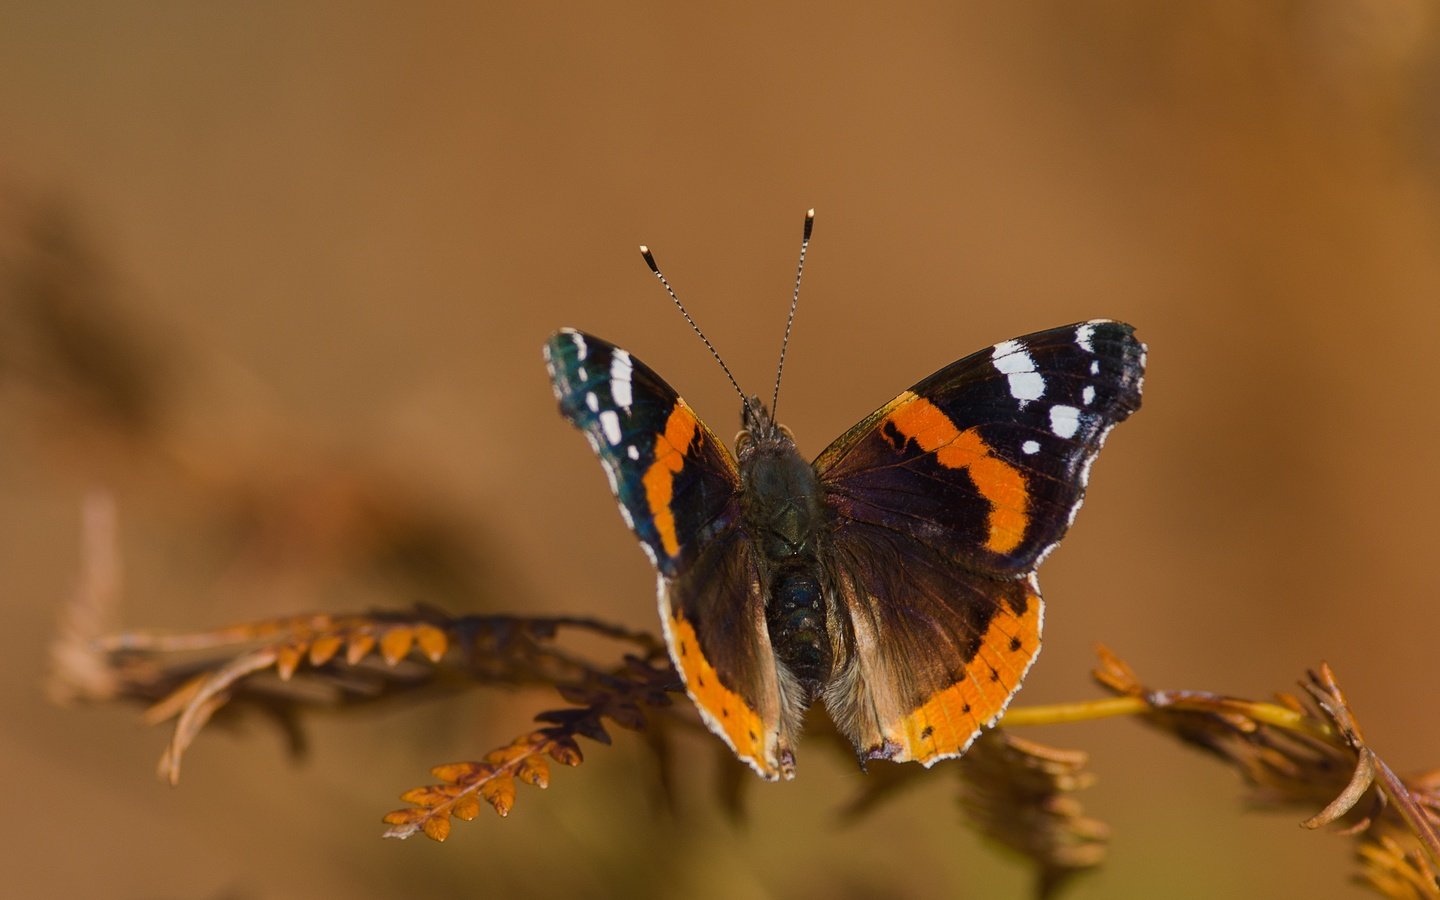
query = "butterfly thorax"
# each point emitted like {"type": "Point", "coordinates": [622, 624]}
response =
{"type": "Point", "coordinates": [781, 506]}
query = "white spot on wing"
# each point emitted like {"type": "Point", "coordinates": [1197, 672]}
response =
{"type": "Point", "coordinates": [1088, 395]}
{"type": "Point", "coordinates": [1083, 334]}
{"type": "Point", "coordinates": [592, 401]}
{"type": "Point", "coordinates": [610, 421]}
{"type": "Point", "coordinates": [1030, 447]}
{"type": "Point", "coordinates": [620, 369]}
{"type": "Point", "coordinates": [1064, 421]}
{"type": "Point", "coordinates": [580, 349]}
{"type": "Point", "coordinates": [1095, 367]}
{"type": "Point", "coordinates": [1018, 367]}
{"type": "Point", "coordinates": [633, 451]}
{"type": "Point", "coordinates": [629, 519]}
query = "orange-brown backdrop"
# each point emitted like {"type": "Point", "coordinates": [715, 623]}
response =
{"type": "Point", "coordinates": [341, 232]}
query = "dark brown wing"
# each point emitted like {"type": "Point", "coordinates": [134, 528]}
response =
{"type": "Point", "coordinates": [714, 618]}
{"type": "Point", "coordinates": [937, 651]}
{"type": "Point", "coordinates": [944, 501]}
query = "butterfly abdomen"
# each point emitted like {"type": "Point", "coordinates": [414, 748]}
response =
{"type": "Point", "coordinates": [796, 617]}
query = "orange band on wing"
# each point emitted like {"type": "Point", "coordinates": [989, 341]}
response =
{"type": "Point", "coordinates": [997, 481]}
{"type": "Point", "coordinates": [946, 723]}
{"type": "Point", "coordinates": [659, 479]}
{"type": "Point", "coordinates": [728, 714]}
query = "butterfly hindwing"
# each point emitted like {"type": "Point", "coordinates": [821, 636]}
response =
{"type": "Point", "coordinates": [714, 618]}
{"type": "Point", "coordinates": [938, 650]}
{"type": "Point", "coordinates": [944, 502]}
{"type": "Point", "coordinates": [678, 487]}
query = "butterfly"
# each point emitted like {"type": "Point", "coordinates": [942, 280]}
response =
{"type": "Point", "coordinates": [891, 579]}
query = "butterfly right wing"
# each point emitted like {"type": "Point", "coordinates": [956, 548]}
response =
{"type": "Point", "coordinates": [945, 500]}
{"type": "Point", "coordinates": [678, 489]}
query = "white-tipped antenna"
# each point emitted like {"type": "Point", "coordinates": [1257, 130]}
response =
{"type": "Point", "coordinates": [790, 320]}
{"type": "Point", "coordinates": [650, 261]}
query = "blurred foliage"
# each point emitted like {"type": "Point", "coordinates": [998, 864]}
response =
{"type": "Point", "coordinates": [1291, 753]}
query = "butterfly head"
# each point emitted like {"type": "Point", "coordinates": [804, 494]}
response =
{"type": "Point", "coordinates": [760, 431]}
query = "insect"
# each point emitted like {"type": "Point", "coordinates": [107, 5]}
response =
{"type": "Point", "coordinates": [893, 578]}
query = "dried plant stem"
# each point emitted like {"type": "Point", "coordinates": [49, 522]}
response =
{"type": "Point", "coordinates": [1082, 711]}
{"type": "Point", "coordinates": [1178, 701]}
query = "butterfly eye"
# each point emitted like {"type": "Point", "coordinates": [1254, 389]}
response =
{"type": "Point", "coordinates": [743, 440]}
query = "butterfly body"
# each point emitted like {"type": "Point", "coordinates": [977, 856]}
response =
{"type": "Point", "coordinates": [891, 579]}
{"type": "Point", "coordinates": [782, 512]}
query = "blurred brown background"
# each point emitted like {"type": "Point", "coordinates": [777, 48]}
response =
{"type": "Point", "coordinates": [334, 236]}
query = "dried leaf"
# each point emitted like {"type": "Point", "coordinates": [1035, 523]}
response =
{"type": "Point", "coordinates": [395, 644]}
{"type": "Point", "coordinates": [324, 648]}
{"type": "Point", "coordinates": [455, 773]}
{"type": "Point", "coordinates": [534, 771]}
{"type": "Point", "coordinates": [500, 793]}
{"type": "Point", "coordinates": [287, 660]}
{"type": "Point", "coordinates": [212, 694]}
{"type": "Point", "coordinates": [1359, 785]}
{"type": "Point", "coordinates": [437, 827]}
{"type": "Point", "coordinates": [432, 641]}
{"type": "Point", "coordinates": [359, 647]}
{"type": "Point", "coordinates": [466, 807]}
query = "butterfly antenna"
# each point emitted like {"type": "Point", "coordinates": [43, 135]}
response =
{"type": "Point", "coordinates": [650, 261]}
{"type": "Point", "coordinates": [794, 302]}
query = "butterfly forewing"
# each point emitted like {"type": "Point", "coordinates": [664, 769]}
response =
{"type": "Point", "coordinates": [986, 461]}
{"type": "Point", "coordinates": [675, 481]}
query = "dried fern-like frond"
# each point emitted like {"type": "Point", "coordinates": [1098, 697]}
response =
{"type": "Point", "coordinates": [1019, 794]}
{"type": "Point", "coordinates": [1296, 754]}
{"type": "Point", "coordinates": [622, 696]}
{"type": "Point", "coordinates": [281, 665]}
{"type": "Point", "coordinates": [463, 785]}
{"type": "Point", "coordinates": [1022, 794]}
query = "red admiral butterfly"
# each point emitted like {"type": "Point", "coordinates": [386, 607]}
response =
{"type": "Point", "coordinates": [893, 579]}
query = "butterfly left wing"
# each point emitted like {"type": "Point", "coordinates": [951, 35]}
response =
{"type": "Point", "coordinates": [945, 500]}
{"type": "Point", "coordinates": [678, 490]}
